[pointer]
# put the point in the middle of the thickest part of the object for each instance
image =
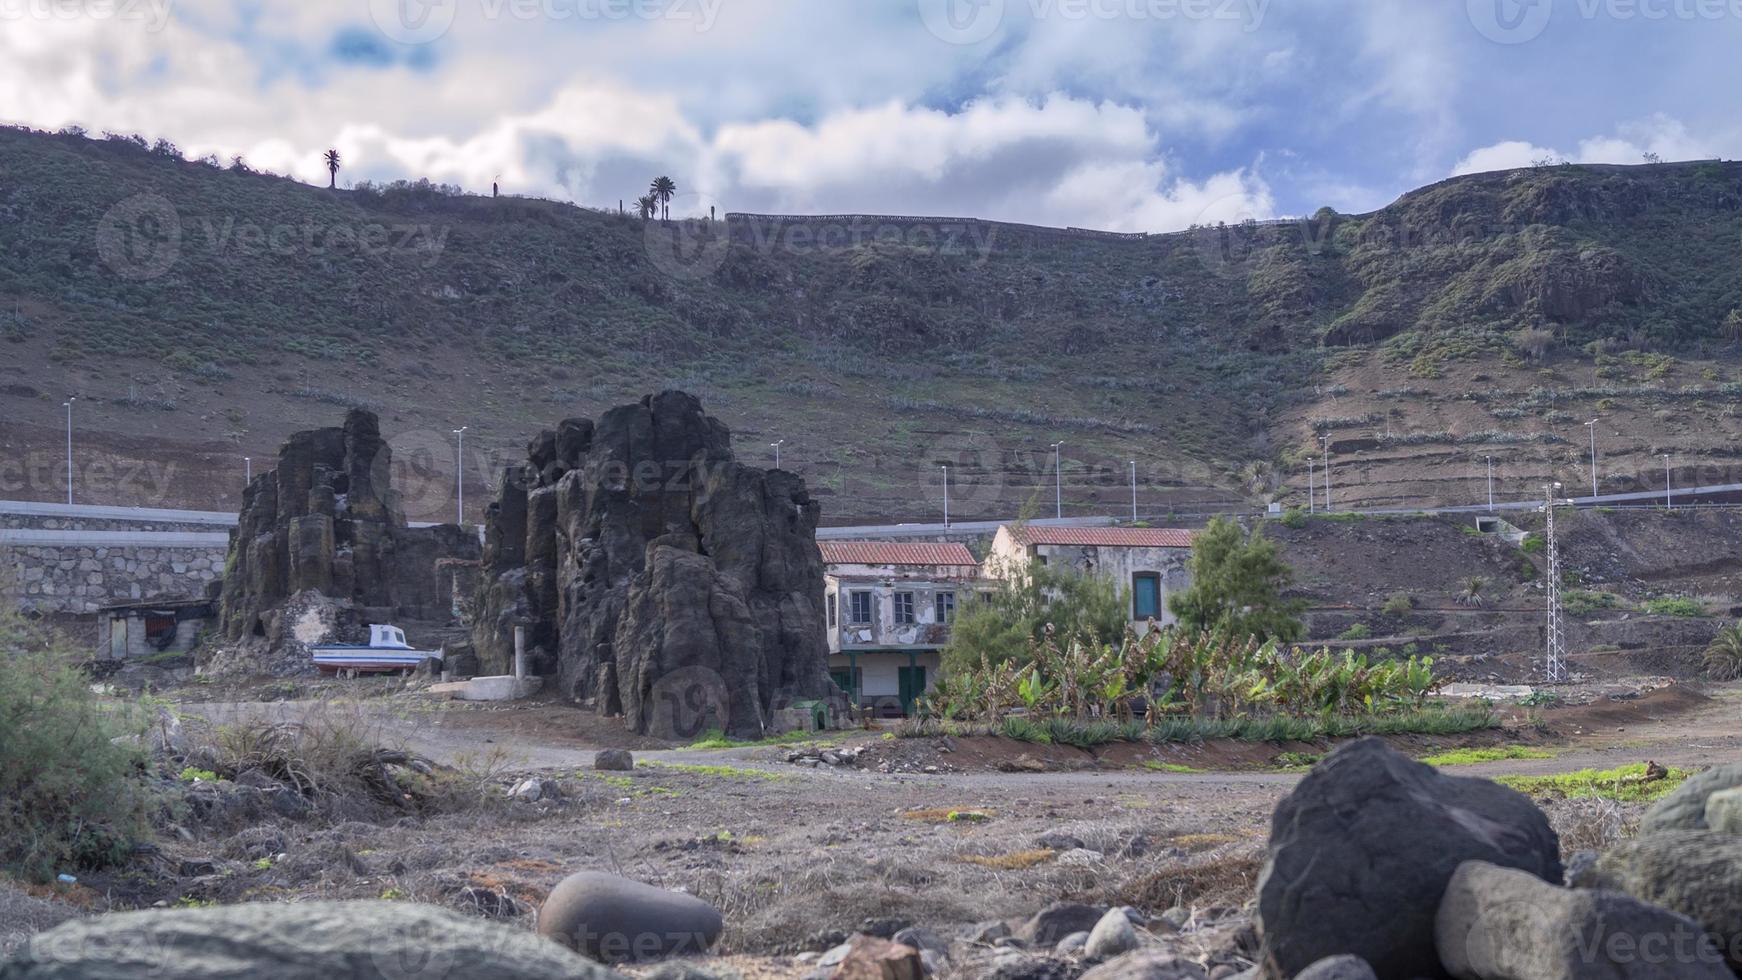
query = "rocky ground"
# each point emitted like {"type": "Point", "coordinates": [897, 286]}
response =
{"type": "Point", "coordinates": [799, 853]}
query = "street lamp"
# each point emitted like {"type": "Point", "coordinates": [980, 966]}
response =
{"type": "Point", "coordinates": [68, 405]}
{"type": "Point", "coordinates": [1327, 442]}
{"type": "Point", "coordinates": [776, 447]}
{"type": "Point", "coordinates": [1058, 481]}
{"type": "Point", "coordinates": [1134, 491]}
{"type": "Point", "coordinates": [1490, 484]}
{"type": "Point", "coordinates": [460, 475]}
{"type": "Point", "coordinates": [1667, 489]}
{"type": "Point", "coordinates": [1312, 489]}
{"type": "Point", "coordinates": [1592, 425]}
{"type": "Point", "coordinates": [946, 468]}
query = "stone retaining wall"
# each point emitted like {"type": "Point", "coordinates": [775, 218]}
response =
{"type": "Point", "coordinates": [82, 578]}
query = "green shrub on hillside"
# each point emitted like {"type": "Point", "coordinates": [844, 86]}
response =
{"type": "Point", "coordinates": [1678, 606]}
{"type": "Point", "coordinates": [71, 796]}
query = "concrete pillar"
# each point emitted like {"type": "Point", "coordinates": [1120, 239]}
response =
{"type": "Point", "coordinates": [520, 653]}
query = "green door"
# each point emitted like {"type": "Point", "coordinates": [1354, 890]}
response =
{"type": "Point", "coordinates": [843, 679]}
{"type": "Point", "coordinates": [910, 683]}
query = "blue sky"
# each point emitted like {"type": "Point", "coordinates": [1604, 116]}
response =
{"type": "Point", "coordinates": [1120, 114]}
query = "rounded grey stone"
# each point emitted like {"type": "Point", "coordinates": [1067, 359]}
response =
{"type": "Point", "coordinates": [614, 919]}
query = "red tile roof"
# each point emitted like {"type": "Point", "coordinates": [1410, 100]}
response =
{"type": "Point", "coordinates": [895, 553]}
{"type": "Point", "coordinates": [1104, 537]}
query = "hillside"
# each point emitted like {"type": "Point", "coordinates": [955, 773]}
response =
{"type": "Point", "coordinates": [204, 321]}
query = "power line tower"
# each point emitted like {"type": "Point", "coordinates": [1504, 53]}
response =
{"type": "Point", "coordinates": [1554, 665]}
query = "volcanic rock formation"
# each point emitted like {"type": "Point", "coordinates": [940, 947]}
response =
{"type": "Point", "coordinates": [656, 576]}
{"type": "Point", "coordinates": [327, 521]}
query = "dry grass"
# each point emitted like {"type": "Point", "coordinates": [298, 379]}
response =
{"type": "Point", "coordinates": [1592, 823]}
{"type": "Point", "coordinates": [1014, 861]}
{"type": "Point", "coordinates": [948, 815]}
{"type": "Point", "coordinates": [1223, 878]}
{"type": "Point", "coordinates": [342, 759]}
{"type": "Point", "coordinates": [25, 911]}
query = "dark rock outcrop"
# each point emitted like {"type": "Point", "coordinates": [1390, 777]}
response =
{"type": "Point", "coordinates": [327, 521]}
{"type": "Point", "coordinates": [1361, 851]}
{"type": "Point", "coordinates": [656, 576]}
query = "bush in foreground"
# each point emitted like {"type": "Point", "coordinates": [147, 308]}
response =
{"type": "Point", "coordinates": [73, 791]}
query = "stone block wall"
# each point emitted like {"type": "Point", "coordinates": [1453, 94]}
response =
{"type": "Point", "coordinates": [81, 578]}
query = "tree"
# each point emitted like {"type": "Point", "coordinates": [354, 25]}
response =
{"type": "Point", "coordinates": [1237, 583]}
{"type": "Point", "coordinates": [646, 205]}
{"type": "Point", "coordinates": [663, 190]}
{"type": "Point", "coordinates": [1004, 624]}
{"type": "Point", "coordinates": [1651, 157]}
{"type": "Point", "coordinates": [333, 164]}
{"type": "Point", "coordinates": [1732, 326]}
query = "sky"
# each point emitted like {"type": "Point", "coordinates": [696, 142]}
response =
{"type": "Point", "coordinates": [1126, 115]}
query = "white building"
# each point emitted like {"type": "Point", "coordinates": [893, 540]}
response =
{"type": "Point", "coordinates": [889, 609]}
{"type": "Point", "coordinates": [1148, 563]}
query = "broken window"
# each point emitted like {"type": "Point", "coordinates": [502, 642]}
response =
{"type": "Point", "coordinates": [904, 609]}
{"type": "Point", "coordinates": [159, 630]}
{"type": "Point", "coordinates": [945, 603]}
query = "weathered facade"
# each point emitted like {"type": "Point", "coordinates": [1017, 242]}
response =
{"type": "Point", "coordinates": [1149, 564]}
{"type": "Point", "coordinates": [889, 608]}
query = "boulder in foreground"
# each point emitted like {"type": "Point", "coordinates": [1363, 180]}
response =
{"type": "Point", "coordinates": [615, 920]}
{"type": "Point", "coordinates": [307, 941]}
{"type": "Point", "coordinates": [1361, 851]}
{"type": "Point", "coordinates": [1499, 924]}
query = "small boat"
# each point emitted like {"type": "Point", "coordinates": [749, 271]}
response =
{"type": "Point", "coordinates": [386, 652]}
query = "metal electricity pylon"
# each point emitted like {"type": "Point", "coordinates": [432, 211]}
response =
{"type": "Point", "coordinates": [1554, 661]}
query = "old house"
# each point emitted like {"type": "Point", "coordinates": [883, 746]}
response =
{"type": "Point", "coordinates": [145, 629]}
{"type": "Point", "coordinates": [1148, 563]}
{"type": "Point", "coordinates": [889, 606]}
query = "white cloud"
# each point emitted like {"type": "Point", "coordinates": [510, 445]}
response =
{"type": "Point", "coordinates": [1665, 137]}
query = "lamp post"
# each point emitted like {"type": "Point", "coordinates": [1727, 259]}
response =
{"type": "Point", "coordinates": [1134, 491]}
{"type": "Point", "coordinates": [946, 468]}
{"type": "Point", "coordinates": [1592, 425]}
{"type": "Point", "coordinates": [776, 447]}
{"type": "Point", "coordinates": [247, 470]}
{"type": "Point", "coordinates": [1667, 488]}
{"type": "Point", "coordinates": [68, 405]}
{"type": "Point", "coordinates": [1490, 484]}
{"type": "Point", "coordinates": [1058, 481]}
{"type": "Point", "coordinates": [1327, 442]}
{"type": "Point", "coordinates": [460, 475]}
{"type": "Point", "coordinates": [1312, 489]}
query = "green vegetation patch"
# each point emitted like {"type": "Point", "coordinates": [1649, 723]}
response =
{"type": "Point", "coordinates": [1626, 783]}
{"type": "Point", "coordinates": [1466, 757]}
{"type": "Point", "coordinates": [717, 739]}
{"type": "Point", "coordinates": [720, 772]}
{"type": "Point", "coordinates": [1690, 608]}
